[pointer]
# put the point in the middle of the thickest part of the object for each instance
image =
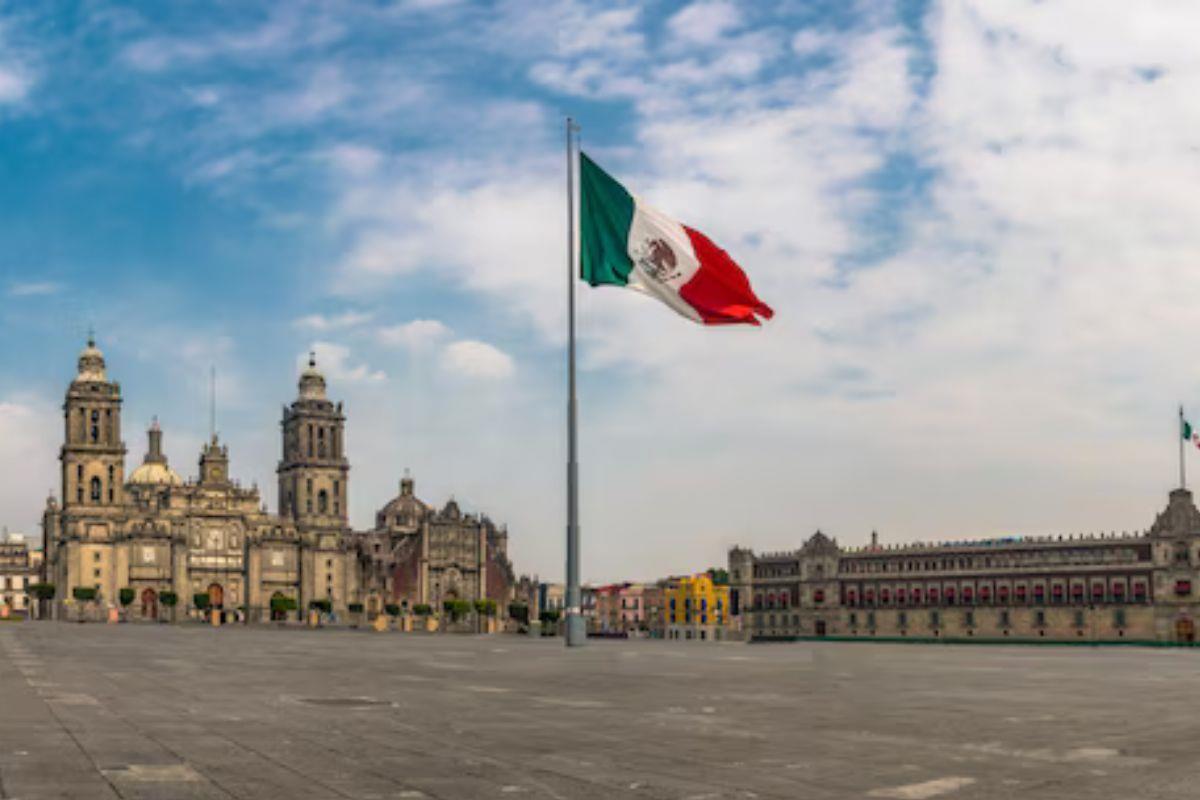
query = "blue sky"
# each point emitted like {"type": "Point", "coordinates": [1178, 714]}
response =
{"type": "Point", "coordinates": [975, 223]}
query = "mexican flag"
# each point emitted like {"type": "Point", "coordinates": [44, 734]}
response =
{"type": "Point", "coordinates": [625, 242]}
{"type": "Point", "coordinates": [1188, 433]}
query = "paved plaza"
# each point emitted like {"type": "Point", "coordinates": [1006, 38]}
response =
{"type": "Point", "coordinates": [94, 711]}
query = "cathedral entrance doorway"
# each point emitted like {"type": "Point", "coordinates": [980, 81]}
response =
{"type": "Point", "coordinates": [149, 604]}
{"type": "Point", "coordinates": [216, 601]}
{"type": "Point", "coordinates": [1185, 630]}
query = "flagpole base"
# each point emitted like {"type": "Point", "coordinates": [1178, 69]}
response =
{"type": "Point", "coordinates": [576, 630]}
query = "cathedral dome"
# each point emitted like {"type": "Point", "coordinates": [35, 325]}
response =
{"type": "Point", "coordinates": [312, 382]}
{"type": "Point", "coordinates": [154, 470]}
{"type": "Point", "coordinates": [91, 363]}
{"type": "Point", "coordinates": [404, 509]}
{"type": "Point", "coordinates": [154, 474]}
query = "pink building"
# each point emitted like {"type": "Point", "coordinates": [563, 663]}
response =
{"type": "Point", "coordinates": [621, 608]}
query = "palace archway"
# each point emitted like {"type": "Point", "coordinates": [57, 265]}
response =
{"type": "Point", "coordinates": [149, 604]}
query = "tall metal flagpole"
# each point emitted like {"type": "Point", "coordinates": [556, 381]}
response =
{"type": "Point", "coordinates": [1182, 474]}
{"type": "Point", "coordinates": [576, 628]}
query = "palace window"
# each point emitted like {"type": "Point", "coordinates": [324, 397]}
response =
{"type": "Point", "coordinates": [1078, 619]}
{"type": "Point", "coordinates": [1183, 587]}
{"type": "Point", "coordinates": [1119, 618]}
{"type": "Point", "coordinates": [968, 595]}
{"type": "Point", "coordinates": [1040, 619]}
{"type": "Point", "coordinates": [1039, 594]}
{"type": "Point", "coordinates": [985, 594]}
{"type": "Point", "coordinates": [1005, 620]}
{"type": "Point", "coordinates": [1118, 591]}
{"type": "Point", "coordinates": [1097, 591]}
{"type": "Point", "coordinates": [1020, 594]}
{"type": "Point", "coordinates": [95, 427]}
{"type": "Point", "coordinates": [1139, 591]}
{"type": "Point", "coordinates": [871, 620]}
{"type": "Point", "coordinates": [1077, 592]}
{"type": "Point", "coordinates": [853, 621]}
{"type": "Point", "coordinates": [902, 619]}
{"type": "Point", "coordinates": [1002, 593]}
{"type": "Point", "coordinates": [112, 482]}
{"type": "Point", "coordinates": [969, 619]}
{"type": "Point", "coordinates": [950, 596]}
{"type": "Point", "coordinates": [933, 595]}
{"type": "Point", "coordinates": [935, 619]}
{"type": "Point", "coordinates": [819, 596]}
{"type": "Point", "coordinates": [321, 442]}
{"type": "Point", "coordinates": [322, 501]}
{"type": "Point", "coordinates": [95, 490]}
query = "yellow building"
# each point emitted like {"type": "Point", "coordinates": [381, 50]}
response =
{"type": "Point", "coordinates": [696, 608]}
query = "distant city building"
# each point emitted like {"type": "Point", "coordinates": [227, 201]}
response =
{"type": "Point", "coordinates": [621, 608]}
{"type": "Point", "coordinates": [18, 570]}
{"type": "Point", "coordinates": [696, 608]}
{"type": "Point", "coordinates": [211, 542]}
{"type": "Point", "coordinates": [551, 597]}
{"type": "Point", "coordinates": [1109, 587]}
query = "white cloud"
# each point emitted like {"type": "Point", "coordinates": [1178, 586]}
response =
{"type": "Point", "coordinates": [337, 363]}
{"type": "Point", "coordinates": [705, 22]}
{"type": "Point", "coordinates": [34, 288]}
{"type": "Point", "coordinates": [29, 428]}
{"type": "Point", "coordinates": [14, 84]}
{"type": "Point", "coordinates": [335, 322]}
{"type": "Point", "coordinates": [473, 359]}
{"type": "Point", "coordinates": [416, 336]}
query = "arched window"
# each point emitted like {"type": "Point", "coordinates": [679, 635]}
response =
{"type": "Point", "coordinates": [321, 442]}
{"type": "Point", "coordinates": [95, 427]}
{"type": "Point", "coordinates": [95, 490]}
{"type": "Point", "coordinates": [112, 481]}
{"type": "Point", "coordinates": [322, 500]}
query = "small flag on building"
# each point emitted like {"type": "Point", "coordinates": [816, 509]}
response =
{"type": "Point", "coordinates": [624, 242]}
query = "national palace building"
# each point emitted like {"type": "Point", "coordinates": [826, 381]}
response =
{"type": "Point", "coordinates": [151, 532]}
{"type": "Point", "coordinates": [1142, 586]}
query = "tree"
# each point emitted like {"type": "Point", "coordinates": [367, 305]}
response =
{"type": "Point", "coordinates": [392, 610]}
{"type": "Point", "coordinates": [200, 600]}
{"type": "Point", "coordinates": [324, 606]}
{"type": "Point", "coordinates": [355, 608]}
{"type": "Point", "coordinates": [422, 609]}
{"type": "Point", "coordinates": [550, 616]}
{"type": "Point", "coordinates": [519, 611]}
{"type": "Point", "coordinates": [168, 599]}
{"type": "Point", "coordinates": [125, 596]}
{"type": "Point", "coordinates": [84, 594]}
{"type": "Point", "coordinates": [720, 577]}
{"type": "Point", "coordinates": [42, 591]}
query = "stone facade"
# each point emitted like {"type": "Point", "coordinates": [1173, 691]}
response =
{"type": "Point", "coordinates": [420, 555]}
{"type": "Point", "coordinates": [155, 533]}
{"type": "Point", "coordinates": [1142, 586]}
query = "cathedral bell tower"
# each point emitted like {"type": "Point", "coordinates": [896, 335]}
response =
{"type": "Point", "coordinates": [93, 455]}
{"type": "Point", "coordinates": [313, 472]}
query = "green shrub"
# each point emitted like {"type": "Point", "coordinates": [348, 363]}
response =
{"type": "Point", "coordinates": [168, 599]}
{"type": "Point", "coordinates": [355, 608]}
{"type": "Point", "coordinates": [519, 612]}
{"type": "Point", "coordinates": [392, 610]}
{"type": "Point", "coordinates": [422, 609]}
{"type": "Point", "coordinates": [125, 596]}
{"type": "Point", "coordinates": [457, 609]}
{"type": "Point", "coordinates": [486, 607]}
{"type": "Point", "coordinates": [550, 615]}
{"type": "Point", "coordinates": [324, 606]}
{"type": "Point", "coordinates": [42, 591]}
{"type": "Point", "coordinates": [200, 600]}
{"type": "Point", "coordinates": [84, 594]}
{"type": "Point", "coordinates": [280, 604]}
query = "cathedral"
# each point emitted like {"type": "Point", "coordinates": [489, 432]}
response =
{"type": "Point", "coordinates": [211, 542]}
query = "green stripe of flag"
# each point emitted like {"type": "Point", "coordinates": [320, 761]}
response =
{"type": "Point", "coordinates": [605, 214]}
